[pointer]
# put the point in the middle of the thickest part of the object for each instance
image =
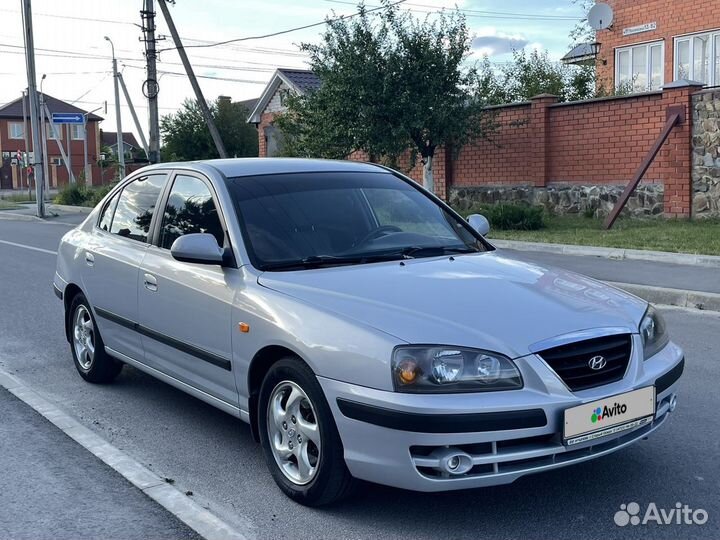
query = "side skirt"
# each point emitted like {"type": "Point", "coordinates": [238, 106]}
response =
{"type": "Point", "coordinates": [172, 381]}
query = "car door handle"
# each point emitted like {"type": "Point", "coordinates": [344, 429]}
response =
{"type": "Point", "coordinates": [150, 282]}
{"type": "Point", "coordinates": [89, 258]}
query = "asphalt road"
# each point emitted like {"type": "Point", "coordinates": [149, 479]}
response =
{"type": "Point", "coordinates": [51, 488]}
{"type": "Point", "coordinates": [210, 453]}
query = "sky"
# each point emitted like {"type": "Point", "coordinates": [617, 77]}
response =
{"type": "Point", "coordinates": [71, 51]}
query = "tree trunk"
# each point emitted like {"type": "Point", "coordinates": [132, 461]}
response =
{"type": "Point", "coordinates": [428, 180]}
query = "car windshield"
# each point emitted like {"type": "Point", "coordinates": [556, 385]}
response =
{"type": "Point", "coordinates": [309, 220]}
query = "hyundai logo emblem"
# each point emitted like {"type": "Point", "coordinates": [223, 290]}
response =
{"type": "Point", "coordinates": [597, 363]}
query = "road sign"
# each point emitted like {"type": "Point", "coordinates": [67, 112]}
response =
{"type": "Point", "coordinates": [67, 118]}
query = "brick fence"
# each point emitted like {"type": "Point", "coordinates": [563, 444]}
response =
{"type": "Point", "coordinates": [580, 155]}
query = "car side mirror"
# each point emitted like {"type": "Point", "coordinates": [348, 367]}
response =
{"type": "Point", "coordinates": [198, 248]}
{"type": "Point", "coordinates": [479, 223]}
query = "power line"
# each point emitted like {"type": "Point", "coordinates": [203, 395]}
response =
{"type": "Point", "coordinates": [211, 77]}
{"type": "Point", "coordinates": [75, 18]}
{"type": "Point", "coordinates": [289, 30]}
{"type": "Point", "coordinates": [481, 13]}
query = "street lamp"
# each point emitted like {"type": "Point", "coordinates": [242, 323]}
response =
{"type": "Point", "coordinates": [118, 120]}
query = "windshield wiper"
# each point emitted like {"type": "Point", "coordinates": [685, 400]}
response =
{"type": "Point", "coordinates": [411, 252]}
{"type": "Point", "coordinates": [320, 261]}
{"type": "Point", "coordinates": [324, 261]}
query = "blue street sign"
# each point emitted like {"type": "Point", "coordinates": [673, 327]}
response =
{"type": "Point", "coordinates": [67, 118]}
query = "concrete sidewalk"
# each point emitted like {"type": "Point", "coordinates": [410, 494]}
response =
{"type": "Point", "coordinates": [51, 487]}
{"type": "Point", "coordinates": [657, 282]}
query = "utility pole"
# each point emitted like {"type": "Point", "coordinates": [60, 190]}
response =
{"type": "Point", "coordinates": [150, 87]}
{"type": "Point", "coordinates": [118, 120]}
{"type": "Point", "coordinates": [26, 159]}
{"type": "Point", "coordinates": [34, 106]}
{"type": "Point", "coordinates": [134, 115]}
{"type": "Point", "coordinates": [214, 133]}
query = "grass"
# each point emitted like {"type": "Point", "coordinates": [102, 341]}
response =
{"type": "Point", "coordinates": [8, 205]}
{"type": "Point", "coordinates": [680, 236]}
{"type": "Point", "coordinates": [20, 197]}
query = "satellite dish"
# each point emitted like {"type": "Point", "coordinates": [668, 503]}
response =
{"type": "Point", "coordinates": [600, 16]}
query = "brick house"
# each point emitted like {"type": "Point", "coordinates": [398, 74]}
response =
{"type": "Point", "coordinates": [655, 42]}
{"type": "Point", "coordinates": [270, 103]}
{"type": "Point", "coordinates": [13, 128]}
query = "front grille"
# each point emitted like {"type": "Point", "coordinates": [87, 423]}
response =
{"type": "Point", "coordinates": [571, 361]}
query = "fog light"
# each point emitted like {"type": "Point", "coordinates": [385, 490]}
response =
{"type": "Point", "coordinates": [453, 463]}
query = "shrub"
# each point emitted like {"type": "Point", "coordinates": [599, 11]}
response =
{"type": "Point", "coordinates": [73, 195]}
{"type": "Point", "coordinates": [81, 195]}
{"type": "Point", "coordinates": [97, 194]}
{"type": "Point", "coordinates": [512, 216]}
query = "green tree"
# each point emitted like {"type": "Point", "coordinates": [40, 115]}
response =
{"type": "Point", "coordinates": [534, 73]}
{"type": "Point", "coordinates": [186, 136]}
{"type": "Point", "coordinates": [390, 84]}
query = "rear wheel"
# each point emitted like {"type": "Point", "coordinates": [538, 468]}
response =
{"type": "Point", "coordinates": [300, 441]}
{"type": "Point", "coordinates": [88, 349]}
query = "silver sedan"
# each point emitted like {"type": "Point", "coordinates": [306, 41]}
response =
{"type": "Point", "coordinates": [360, 326]}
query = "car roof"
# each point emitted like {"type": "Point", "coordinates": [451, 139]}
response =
{"type": "Point", "coordinates": [238, 167]}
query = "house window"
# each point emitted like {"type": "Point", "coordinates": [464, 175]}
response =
{"type": "Point", "coordinates": [77, 132]}
{"type": "Point", "coordinates": [51, 133]}
{"type": "Point", "coordinates": [639, 68]}
{"type": "Point", "coordinates": [697, 58]}
{"type": "Point", "coordinates": [17, 130]}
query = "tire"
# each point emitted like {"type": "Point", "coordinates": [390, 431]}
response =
{"type": "Point", "coordinates": [88, 350]}
{"type": "Point", "coordinates": [327, 480]}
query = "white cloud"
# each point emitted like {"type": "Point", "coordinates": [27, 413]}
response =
{"type": "Point", "coordinates": [489, 41]}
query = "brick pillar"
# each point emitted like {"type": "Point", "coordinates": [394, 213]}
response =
{"type": "Point", "coordinates": [540, 127]}
{"type": "Point", "coordinates": [676, 153]}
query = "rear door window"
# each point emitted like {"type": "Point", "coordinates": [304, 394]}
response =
{"type": "Point", "coordinates": [135, 209]}
{"type": "Point", "coordinates": [107, 213]}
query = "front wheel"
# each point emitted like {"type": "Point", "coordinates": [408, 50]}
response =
{"type": "Point", "coordinates": [88, 350]}
{"type": "Point", "coordinates": [300, 441]}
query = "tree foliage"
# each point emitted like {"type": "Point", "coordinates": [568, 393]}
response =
{"type": "Point", "coordinates": [186, 136]}
{"type": "Point", "coordinates": [533, 73]}
{"type": "Point", "coordinates": [390, 83]}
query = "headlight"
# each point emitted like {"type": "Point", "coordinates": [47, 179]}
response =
{"type": "Point", "coordinates": [428, 369]}
{"type": "Point", "coordinates": [653, 332]}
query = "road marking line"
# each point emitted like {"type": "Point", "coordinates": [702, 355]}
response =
{"type": "Point", "coordinates": [33, 248]}
{"type": "Point", "coordinates": [202, 521]}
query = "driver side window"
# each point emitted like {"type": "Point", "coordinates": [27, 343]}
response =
{"type": "Point", "coordinates": [402, 209]}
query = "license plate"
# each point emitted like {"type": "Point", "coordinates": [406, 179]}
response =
{"type": "Point", "coordinates": [609, 416]}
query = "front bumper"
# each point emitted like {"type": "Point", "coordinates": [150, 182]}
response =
{"type": "Point", "coordinates": [395, 439]}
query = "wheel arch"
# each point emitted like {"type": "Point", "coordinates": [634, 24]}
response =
{"type": "Point", "coordinates": [260, 364]}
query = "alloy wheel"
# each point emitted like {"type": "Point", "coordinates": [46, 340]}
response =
{"type": "Point", "coordinates": [294, 432]}
{"type": "Point", "coordinates": [84, 337]}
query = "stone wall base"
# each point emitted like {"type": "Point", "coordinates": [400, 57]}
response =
{"type": "Point", "coordinates": [561, 199]}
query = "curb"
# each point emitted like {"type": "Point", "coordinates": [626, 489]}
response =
{"type": "Point", "coordinates": [691, 259]}
{"type": "Point", "coordinates": [173, 500]}
{"type": "Point", "coordinates": [672, 297]}
{"type": "Point", "coordinates": [72, 209]}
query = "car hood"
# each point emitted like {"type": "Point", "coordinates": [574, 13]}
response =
{"type": "Point", "coordinates": [482, 300]}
